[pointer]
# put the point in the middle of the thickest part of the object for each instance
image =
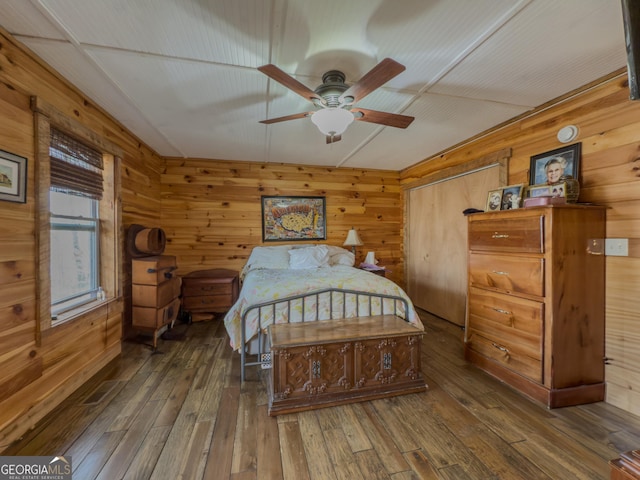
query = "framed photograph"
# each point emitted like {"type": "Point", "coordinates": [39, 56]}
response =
{"type": "Point", "coordinates": [13, 177]}
{"type": "Point", "coordinates": [539, 191]}
{"type": "Point", "coordinates": [494, 200]}
{"type": "Point", "coordinates": [511, 197]}
{"type": "Point", "coordinates": [293, 218]}
{"type": "Point", "coordinates": [548, 167]}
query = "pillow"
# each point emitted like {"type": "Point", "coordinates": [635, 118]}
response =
{"type": "Point", "coordinates": [341, 256]}
{"type": "Point", "coordinates": [268, 257]}
{"type": "Point", "coordinates": [309, 257]}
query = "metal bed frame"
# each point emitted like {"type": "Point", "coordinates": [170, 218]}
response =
{"type": "Point", "coordinates": [287, 301]}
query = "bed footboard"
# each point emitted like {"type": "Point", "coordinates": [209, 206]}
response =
{"type": "Point", "coordinates": [366, 304]}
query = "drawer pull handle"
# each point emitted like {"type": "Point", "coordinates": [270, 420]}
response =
{"type": "Point", "coordinates": [498, 272]}
{"type": "Point", "coordinates": [500, 235]}
{"type": "Point", "coordinates": [501, 348]}
{"type": "Point", "coordinates": [504, 312]}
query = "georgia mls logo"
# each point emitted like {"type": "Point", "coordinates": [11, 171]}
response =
{"type": "Point", "coordinates": [35, 468]}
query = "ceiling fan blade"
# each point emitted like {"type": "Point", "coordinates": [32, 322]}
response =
{"type": "Point", "coordinates": [376, 77]}
{"type": "Point", "coordinates": [287, 117]}
{"type": "Point", "coordinates": [382, 118]}
{"type": "Point", "coordinates": [291, 83]}
{"type": "Point", "coordinates": [333, 138]}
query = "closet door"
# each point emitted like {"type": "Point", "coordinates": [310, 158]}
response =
{"type": "Point", "coordinates": [436, 254]}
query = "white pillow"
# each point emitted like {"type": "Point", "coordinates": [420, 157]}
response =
{"type": "Point", "coordinates": [309, 257]}
{"type": "Point", "coordinates": [269, 257]}
{"type": "Point", "coordinates": [340, 256]}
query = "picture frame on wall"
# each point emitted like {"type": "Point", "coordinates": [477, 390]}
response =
{"type": "Point", "coordinates": [293, 218]}
{"type": "Point", "coordinates": [549, 167]}
{"type": "Point", "coordinates": [13, 177]}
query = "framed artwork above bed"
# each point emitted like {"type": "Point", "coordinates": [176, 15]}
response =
{"type": "Point", "coordinates": [293, 218]}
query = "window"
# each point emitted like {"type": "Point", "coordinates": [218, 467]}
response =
{"type": "Point", "coordinates": [78, 231]}
{"type": "Point", "coordinates": [75, 194]}
{"type": "Point", "coordinates": [74, 251]}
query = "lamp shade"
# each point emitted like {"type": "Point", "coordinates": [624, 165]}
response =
{"type": "Point", "coordinates": [332, 121]}
{"type": "Point", "coordinates": [353, 240]}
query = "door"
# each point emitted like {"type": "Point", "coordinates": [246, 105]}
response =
{"type": "Point", "coordinates": [436, 262]}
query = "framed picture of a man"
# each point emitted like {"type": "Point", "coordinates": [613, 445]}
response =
{"type": "Point", "coordinates": [549, 167]}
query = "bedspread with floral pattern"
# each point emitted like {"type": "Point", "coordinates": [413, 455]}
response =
{"type": "Point", "coordinates": [264, 285]}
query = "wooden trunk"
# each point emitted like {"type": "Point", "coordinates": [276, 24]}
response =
{"type": "Point", "coordinates": [341, 361]}
{"type": "Point", "coordinates": [627, 467]}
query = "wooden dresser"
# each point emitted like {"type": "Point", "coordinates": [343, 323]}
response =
{"type": "Point", "coordinates": [211, 291]}
{"type": "Point", "coordinates": [155, 294]}
{"type": "Point", "coordinates": [535, 313]}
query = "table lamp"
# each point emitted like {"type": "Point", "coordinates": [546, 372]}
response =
{"type": "Point", "coordinates": [353, 240]}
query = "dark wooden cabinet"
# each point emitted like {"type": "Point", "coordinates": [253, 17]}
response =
{"type": "Point", "coordinates": [210, 291]}
{"type": "Point", "coordinates": [535, 313]}
{"type": "Point", "coordinates": [334, 362]}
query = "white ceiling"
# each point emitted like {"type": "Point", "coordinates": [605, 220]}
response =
{"type": "Point", "coordinates": [181, 74]}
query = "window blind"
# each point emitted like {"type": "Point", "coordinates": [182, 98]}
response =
{"type": "Point", "coordinates": [75, 167]}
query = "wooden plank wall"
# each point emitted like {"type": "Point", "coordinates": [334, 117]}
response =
{"type": "Point", "coordinates": [34, 379]}
{"type": "Point", "coordinates": [211, 209]}
{"type": "Point", "coordinates": [609, 126]}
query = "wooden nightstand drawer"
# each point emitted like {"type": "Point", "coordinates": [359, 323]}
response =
{"type": "Point", "coordinates": [207, 302]}
{"type": "Point", "coordinates": [202, 287]}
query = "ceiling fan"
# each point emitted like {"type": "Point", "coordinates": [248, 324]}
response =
{"type": "Point", "coordinates": [336, 99]}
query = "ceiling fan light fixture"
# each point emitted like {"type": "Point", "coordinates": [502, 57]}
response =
{"type": "Point", "coordinates": [332, 121]}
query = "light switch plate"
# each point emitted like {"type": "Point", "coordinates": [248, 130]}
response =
{"type": "Point", "coordinates": [618, 247]}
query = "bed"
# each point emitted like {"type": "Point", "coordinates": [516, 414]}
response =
{"type": "Point", "coordinates": [289, 284]}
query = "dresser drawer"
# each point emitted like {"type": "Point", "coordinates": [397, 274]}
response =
{"type": "Point", "coordinates": [155, 318]}
{"type": "Point", "coordinates": [518, 235]}
{"type": "Point", "coordinates": [508, 318]}
{"type": "Point", "coordinates": [155, 295]}
{"type": "Point", "coordinates": [494, 312]}
{"type": "Point", "coordinates": [509, 274]}
{"type": "Point", "coordinates": [153, 270]}
{"type": "Point", "coordinates": [510, 355]}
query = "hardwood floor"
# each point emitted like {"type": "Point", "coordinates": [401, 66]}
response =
{"type": "Point", "coordinates": [183, 414]}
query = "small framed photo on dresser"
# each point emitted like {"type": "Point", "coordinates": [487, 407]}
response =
{"type": "Point", "coordinates": [511, 197]}
{"type": "Point", "coordinates": [494, 200]}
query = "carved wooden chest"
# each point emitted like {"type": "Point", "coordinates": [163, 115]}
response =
{"type": "Point", "coordinates": [341, 361]}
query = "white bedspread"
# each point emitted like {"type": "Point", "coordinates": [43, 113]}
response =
{"type": "Point", "coordinates": [262, 285]}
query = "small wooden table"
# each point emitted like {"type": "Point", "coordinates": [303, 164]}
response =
{"type": "Point", "coordinates": [210, 291]}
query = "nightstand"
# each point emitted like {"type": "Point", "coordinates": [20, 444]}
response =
{"type": "Point", "coordinates": [210, 291]}
{"type": "Point", "coordinates": [380, 273]}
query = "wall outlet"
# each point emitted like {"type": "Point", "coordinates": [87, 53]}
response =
{"type": "Point", "coordinates": [618, 247]}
